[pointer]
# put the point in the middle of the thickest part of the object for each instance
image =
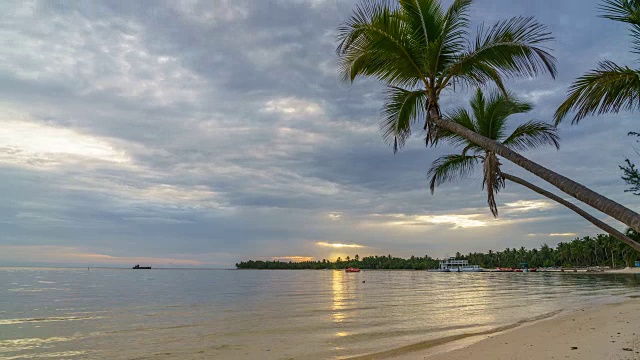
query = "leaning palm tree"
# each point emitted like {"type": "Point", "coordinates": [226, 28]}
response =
{"type": "Point", "coordinates": [419, 49]}
{"type": "Point", "coordinates": [610, 87]}
{"type": "Point", "coordinates": [488, 117]}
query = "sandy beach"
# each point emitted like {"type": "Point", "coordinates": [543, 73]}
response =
{"type": "Point", "coordinates": [607, 331]}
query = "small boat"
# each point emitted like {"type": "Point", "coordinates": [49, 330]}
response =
{"type": "Point", "coordinates": [351, 269]}
{"type": "Point", "coordinates": [141, 267]}
{"type": "Point", "coordinates": [505, 269]}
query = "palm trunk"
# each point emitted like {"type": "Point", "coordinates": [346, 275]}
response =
{"type": "Point", "coordinates": [613, 260]}
{"type": "Point", "coordinates": [570, 187]}
{"type": "Point", "coordinates": [592, 219]}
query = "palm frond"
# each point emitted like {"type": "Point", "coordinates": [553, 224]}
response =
{"type": "Point", "coordinates": [424, 18]}
{"type": "Point", "coordinates": [493, 181]}
{"type": "Point", "coordinates": [456, 23]}
{"type": "Point", "coordinates": [374, 41]}
{"type": "Point", "coordinates": [449, 168]}
{"type": "Point", "coordinates": [477, 149]}
{"type": "Point", "coordinates": [609, 88]}
{"type": "Point", "coordinates": [498, 106]}
{"type": "Point", "coordinates": [531, 135]}
{"type": "Point", "coordinates": [462, 117]}
{"type": "Point", "coordinates": [400, 110]}
{"type": "Point", "coordinates": [476, 75]}
{"type": "Point", "coordinates": [452, 38]}
{"type": "Point", "coordinates": [627, 11]}
{"type": "Point", "coordinates": [511, 47]}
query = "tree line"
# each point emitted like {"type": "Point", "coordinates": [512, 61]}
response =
{"type": "Point", "coordinates": [600, 250]}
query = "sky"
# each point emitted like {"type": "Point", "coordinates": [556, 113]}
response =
{"type": "Point", "coordinates": [201, 133]}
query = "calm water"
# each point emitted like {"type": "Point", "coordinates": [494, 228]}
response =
{"type": "Point", "coordinates": [222, 314]}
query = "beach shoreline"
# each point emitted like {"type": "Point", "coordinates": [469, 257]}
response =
{"type": "Point", "coordinates": [599, 331]}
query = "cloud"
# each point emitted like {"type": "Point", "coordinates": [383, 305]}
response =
{"type": "Point", "coordinates": [569, 234]}
{"type": "Point", "coordinates": [455, 221]}
{"type": "Point", "coordinates": [29, 143]}
{"type": "Point", "coordinates": [293, 106]}
{"type": "Point", "coordinates": [211, 13]}
{"type": "Point", "coordinates": [529, 205]}
{"type": "Point", "coordinates": [338, 245]}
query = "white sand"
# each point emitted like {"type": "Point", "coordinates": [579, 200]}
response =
{"type": "Point", "coordinates": [610, 331]}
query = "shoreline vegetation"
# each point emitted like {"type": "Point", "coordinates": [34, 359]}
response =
{"type": "Point", "coordinates": [602, 251]}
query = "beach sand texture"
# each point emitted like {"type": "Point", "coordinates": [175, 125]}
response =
{"type": "Point", "coordinates": [609, 331]}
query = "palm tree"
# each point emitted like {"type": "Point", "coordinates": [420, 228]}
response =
{"type": "Point", "coordinates": [610, 87]}
{"type": "Point", "coordinates": [488, 118]}
{"type": "Point", "coordinates": [420, 49]}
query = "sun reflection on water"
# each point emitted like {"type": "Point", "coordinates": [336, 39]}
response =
{"type": "Point", "coordinates": [338, 296]}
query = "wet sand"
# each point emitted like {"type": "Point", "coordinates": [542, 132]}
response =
{"type": "Point", "coordinates": [608, 331]}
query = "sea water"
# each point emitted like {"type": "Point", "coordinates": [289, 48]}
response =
{"type": "Point", "coordinates": [244, 314]}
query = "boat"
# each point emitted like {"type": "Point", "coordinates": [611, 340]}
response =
{"type": "Point", "coordinates": [141, 267]}
{"type": "Point", "coordinates": [351, 269]}
{"type": "Point", "coordinates": [451, 264]}
{"type": "Point", "coordinates": [505, 269]}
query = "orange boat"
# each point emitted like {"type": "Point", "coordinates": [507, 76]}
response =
{"type": "Point", "coordinates": [352, 269]}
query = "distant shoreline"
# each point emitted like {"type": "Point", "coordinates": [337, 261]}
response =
{"type": "Point", "coordinates": [630, 271]}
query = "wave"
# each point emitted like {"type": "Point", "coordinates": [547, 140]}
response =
{"type": "Point", "coordinates": [48, 319]}
{"type": "Point", "coordinates": [33, 343]}
{"type": "Point", "coordinates": [51, 355]}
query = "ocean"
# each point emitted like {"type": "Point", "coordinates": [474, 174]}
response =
{"type": "Point", "coordinates": [244, 314]}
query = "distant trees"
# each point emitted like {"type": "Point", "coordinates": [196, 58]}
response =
{"type": "Point", "coordinates": [599, 250]}
{"type": "Point", "coordinates": [367, 262]}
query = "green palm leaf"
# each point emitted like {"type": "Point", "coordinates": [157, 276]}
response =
{"type": "Point", "coordinates": [374, 42]}
{"type": "Point", "coordinates": [451, 167]}
{"type": "Point", "coordinates": [532, 134]}
{"type": "Point", "coordinates": [511, 47]}
{"type": "Point", "coordinates": [610, 88]}
{"type": "Point", "coordinates": [401, 108]}
{"type": "Point", "coordinates": [627, 11]}
{"type": "Point", "coordinates": [425, 20]}
{"type": "Point", "coordinates": [452, 38]}
{"type": "Point", "coordinates": [476, 75]}
{"type": "Point", "coordinates": [462, 117]}
{"type": "Point", "coordinates": [495, 110]}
